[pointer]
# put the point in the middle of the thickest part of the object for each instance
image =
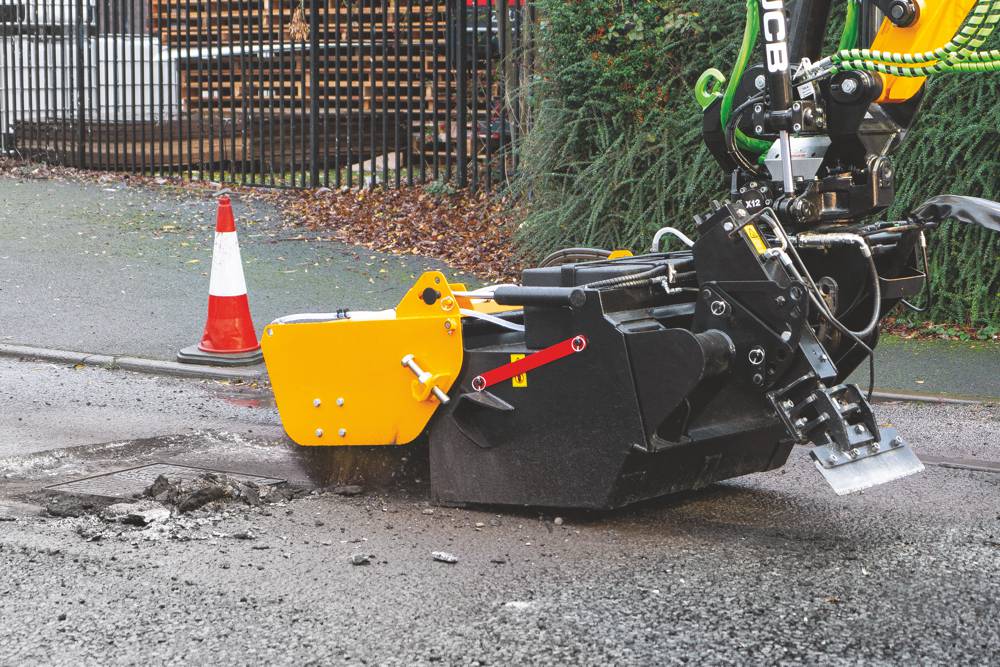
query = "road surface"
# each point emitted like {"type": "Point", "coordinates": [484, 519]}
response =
{"type": "Point", "coordinates": [770, 568]}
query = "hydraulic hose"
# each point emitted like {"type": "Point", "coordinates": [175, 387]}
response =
{"type": "Point", "coordinates": [624, 281]}
{"type": "Point", "coordinates": [958, 55]}
{"type": "Point", "coordinates": [567, 255]}
{"type": "Point", "coordinates": [750, 34]}
{"type": "Point", "coordinates": [852, 24]}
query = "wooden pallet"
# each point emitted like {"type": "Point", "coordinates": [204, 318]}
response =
{"type": "Point", "coordinates": [199, 23]}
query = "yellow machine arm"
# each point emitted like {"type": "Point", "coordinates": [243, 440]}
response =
{"type": "Point", "coordinates": [938, 21]}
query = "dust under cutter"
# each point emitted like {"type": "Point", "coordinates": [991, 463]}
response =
{"type": "Point", "coordinates": [606, 378]}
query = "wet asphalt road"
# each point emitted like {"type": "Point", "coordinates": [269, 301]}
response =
{"type": "Point", "coordinates": [771, 568]}
{"type": "Point", "coordinates": [122, 270]}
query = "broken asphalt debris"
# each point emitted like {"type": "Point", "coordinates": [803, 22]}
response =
{"type": "Point", "coordinates": [444, 557]}
{"type": "Point", "coordinates": [189, 495]}
{"type": "Point", "coordinates": [360, 559]}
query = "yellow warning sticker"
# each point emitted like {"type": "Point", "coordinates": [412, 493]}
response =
{"type": "Point", "coordinates": [518, 380]}
{"type": "Point", "coordinates": [755, 238]}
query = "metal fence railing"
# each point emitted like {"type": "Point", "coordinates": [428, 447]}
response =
{"type": "Point", "coordinates": [301, 93]}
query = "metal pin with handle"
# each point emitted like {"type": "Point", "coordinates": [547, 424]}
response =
{"type": "Point", "coordinates": [423, 376]}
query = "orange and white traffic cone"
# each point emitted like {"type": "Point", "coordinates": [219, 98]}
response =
{"type": "Point", "coordinates": [230, 338]}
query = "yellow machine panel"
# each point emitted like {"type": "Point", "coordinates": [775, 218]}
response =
{"type": "Point", "coordinates": [938, 23]}
{"type": "Point", "coordinates": [348, 382]}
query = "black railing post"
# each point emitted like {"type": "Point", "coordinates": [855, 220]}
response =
{"type": "Point", "coordinates": [461, 121]}
{"type": "Point", "coordinates": [313, 93]}
{"type": "Point", "coordinates": [81, 136]}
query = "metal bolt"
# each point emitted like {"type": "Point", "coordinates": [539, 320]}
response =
{"type": "Point", "coordinates": [824, 358]}
{"type": "Point", "coordinates": [342, 432]}
{"type": "Point", "coordinates": [849, 86]}
{"type": "Point", "coordinates": [756, 355]}
{"type": "Point", "coordinates": [832, 459]}
{"type": "Point", "coordinates": [728, 226]}
{"type": "Point", "coordinates": [801, 421]}
{"type": "Point", "coordinates": [786, 336]}
{"type": "Point", "coordinates": [760, 82]}
{"type": "Point", "coordinates": [897, 442]}
{"type": "Point", "coordinates": [875, 447]}
{"type": "Point", "coordinates": [860, 428]}
{"type": "Point", "coordinates": [741, 213]}
{"type": "Point", "coordinates": [270, 332]}
{"type": "Point", "coordinates": [779, 301]}
{"type": "Point", "coordinates": [796, 106]}
{"type": "Point", "coordinates": [719, 308]}
{"type": "Point", "coordinates": [788, 405]}
{"type": "Point", "coordinates": [707, 294]}
{"type": "Point", "coordinates": [797, 127]}
{"type": "Point", "coordinates": [758, 379]}
{"type": "Point", "coordinates": [447, 324]}
{"type": "Point", "coordinates": [853, 453]}
{"type": "Point", "coordinates": [317, 402]}
{"type": "Point", "coordinates": [758, 108]}
{"type": "Point", "coordinates": [319, 433]}
{"type": "Point", "coordinates": [340, 402]}
{"type": "Point", "coordinates": [759, 129]}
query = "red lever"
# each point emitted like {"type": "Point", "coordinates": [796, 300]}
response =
{"type": "Point", "coordinates": [530, 362]}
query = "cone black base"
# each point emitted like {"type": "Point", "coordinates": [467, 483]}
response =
{"type": "Point", "coordinates": [195, 355]}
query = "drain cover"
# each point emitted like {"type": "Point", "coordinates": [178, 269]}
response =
{"type": "Point", "coordinates": [126, 483]}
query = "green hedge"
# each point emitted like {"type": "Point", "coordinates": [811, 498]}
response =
{"type": "Point", "coordinates": [615, 151]}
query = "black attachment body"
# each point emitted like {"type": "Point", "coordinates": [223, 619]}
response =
{"type": "Point", "coordinates": [677, 387]}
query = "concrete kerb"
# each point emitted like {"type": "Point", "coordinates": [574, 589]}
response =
{"type": "Point", "coordinates": [134, 364]}
{"type": "Point", "coordinates": [259, 373]}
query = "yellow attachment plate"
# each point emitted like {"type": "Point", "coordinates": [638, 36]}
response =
{"type": "Point", "coordinates": [939, 21]}
{"type": "Point", "coordinates": [342, 382]}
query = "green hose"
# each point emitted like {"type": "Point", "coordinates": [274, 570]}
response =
{"type": "Point", "coordinates": [750, 34]}
{"type": "Point", "coordinates": [852, 26]}
{"type": "Point", "coordinates": [958, 55]}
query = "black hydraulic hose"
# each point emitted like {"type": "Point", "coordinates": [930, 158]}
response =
{"type": "Point", "coordinates": [730, 131]}
{"type": "Point", "coordinates": [812, 291]}
{"type": "Point", "coordinates": [619, 281]}
{"type": "Point", "coordinates": [929, 292]}
{"type": "Point", "coordinates": [567, 255]}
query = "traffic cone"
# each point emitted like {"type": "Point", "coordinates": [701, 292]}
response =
{"type": "Point", "coordinates": [230, 338]}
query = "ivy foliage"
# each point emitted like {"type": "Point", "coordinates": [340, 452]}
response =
{"type": "Point", "coordinates": [615, 151]}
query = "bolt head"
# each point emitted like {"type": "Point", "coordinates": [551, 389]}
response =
{"type": "Point", "coordinates": [760, 82]}
{"type": "Point", "coordinates": [853, 453]}
{"type": "Point", "coordinates": [728, 226]}
{"type": "Point", "coordinates": [833, 458]}
{"type": "Point", "coordinates": [849, 86]}
{"type": "Point", "coordinates": [860, 428]}
{"type": "Point", "coordinates": [340, 402]}
{"type": "Point", "coordinates": [342, 432]}
{"type": "Point", "coordinates": [897, 442]}
{"type": "Point", "coordinates": [319, 433]}
{"type": "Point", "coordinates": [317, 402]}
